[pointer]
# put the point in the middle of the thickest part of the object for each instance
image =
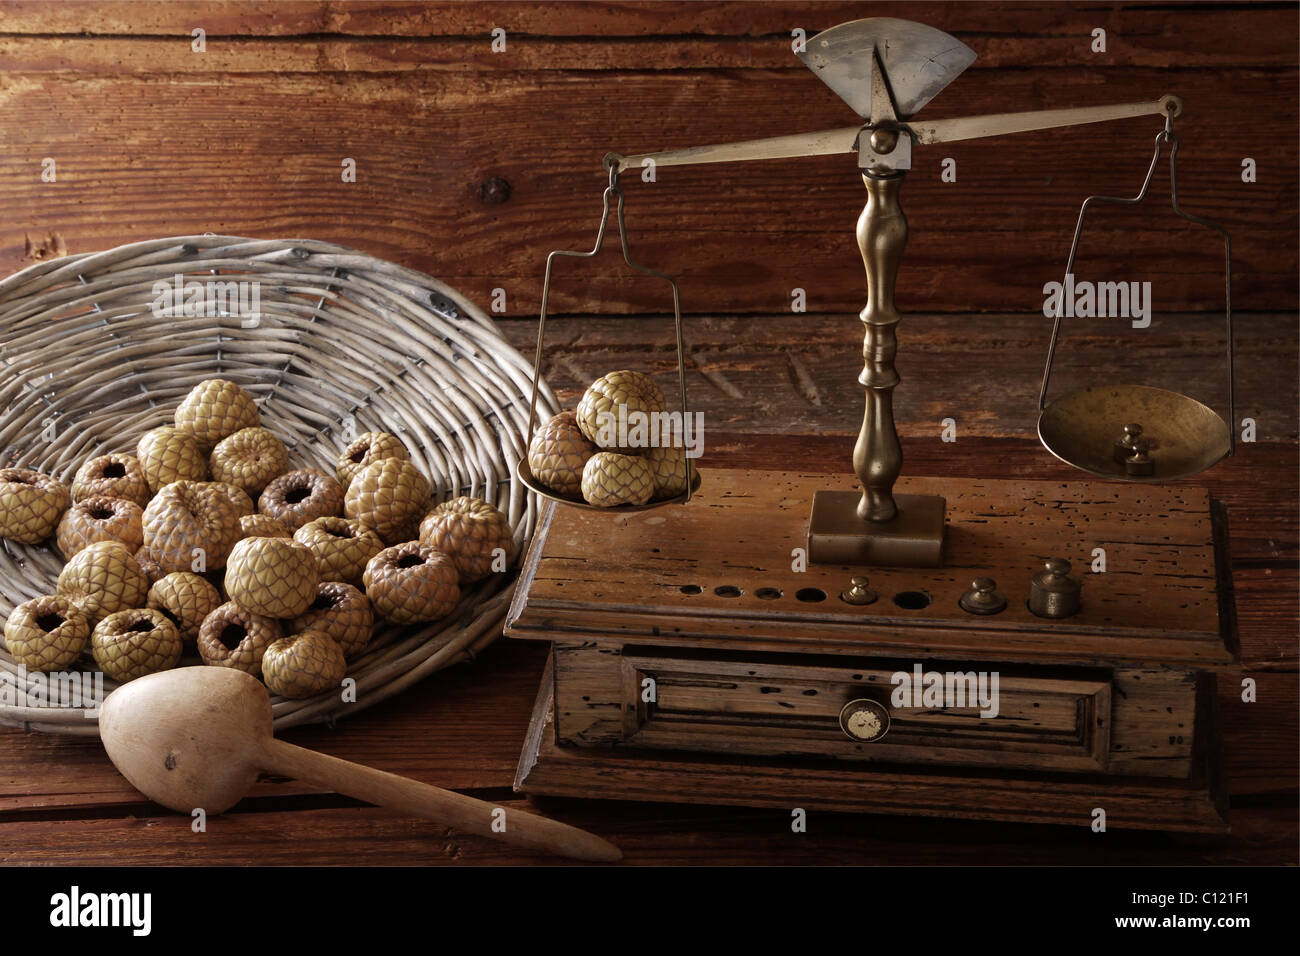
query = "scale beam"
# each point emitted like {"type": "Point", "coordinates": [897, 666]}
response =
{"type": "Point", "coordinates": [824, 143]}
{"type": "Point", "coordinates": [845, 139]}
{"type": "Point", "coordinates": [1001, 124]}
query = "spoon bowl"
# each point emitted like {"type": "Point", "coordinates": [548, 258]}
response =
{"type": "Point", "coordinates": [190, 737]}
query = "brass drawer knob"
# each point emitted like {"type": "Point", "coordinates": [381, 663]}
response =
{"type": "Point", "coordinates": [864, 720]}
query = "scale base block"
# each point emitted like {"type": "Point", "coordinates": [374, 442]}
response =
{"type": "Point", "coordinates": [913, 539]}
{"type": "Point", "coordinates": [547, 769]}
{"type": "Point", "coordinates": [753, 660]}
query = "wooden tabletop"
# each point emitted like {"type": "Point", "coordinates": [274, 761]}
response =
{"type": "Point", "coordinates": [473, 164]}
{"type": "Point", "coordinates": [61, 801]}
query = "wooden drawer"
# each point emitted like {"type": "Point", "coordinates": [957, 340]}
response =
{"type": "Point", "coordinates": [793, 711]}
{"type": "Point", "coordinates": [1137, 722]}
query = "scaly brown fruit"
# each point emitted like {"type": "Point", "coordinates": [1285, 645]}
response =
{"type": "Point", "coordinates": [558, 453]}
{"type": "Point", "coordinates": [167, 454]}
{"type": "Point", "coordinates": [232, 636]}
{"type": "Point", "coordinates": [151, 568]}
{"type": "Point", "coordinates": [31, 505]}
{"type": "Point", "coordinates": [186, 599]}
{"type": "Point", "coordinates": [301, 496]}
{"type": "Point", "coordinates": [135, 642]}
{"type": "Point", "coordinates": [668, 467]}
{"type": "Point", "coordinates": [100, 519]}
{"type": "Point", "coordinates": [343, 613]}
{"type": "Point", "coordinates": [103, 578]}
{"type": "Point", "coordinates": [191, 526]}
{"type": "Point", "coordinates": [262, 526]}
{"type": "Point", "coordinates": [249, 459]}
{"type": "Point", "coordinates": [46, 633]}
{"type": "Point", "coordinates": [471, 531]}
{"type": "Point", "coordinates": [387, 495]}
{"type": "Point", "coordinates": [618, 393]}
{"type": "Point", "coordinates": [611, 479]}
{"type": "Point", "coordinates": [306, 664]}
{"type": "Point", "coordinates": [365, 450]}
{"type": "Point", "coordinates": [342, 547]}
{"type": "Point", "coordinates": [238, 497]}
{"type": "Point", "coordinates": [274, 577]}
{"type": "Point", "coordinates": [112, 476]}
{"type": "Point", "coordinates": [214, 409]}
{"type": "Point", "coordinates": [410, 583]}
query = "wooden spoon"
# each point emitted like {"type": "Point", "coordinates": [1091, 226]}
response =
{"type": "Point", "coordinates": [199, 736]}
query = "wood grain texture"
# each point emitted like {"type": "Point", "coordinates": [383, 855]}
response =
{"type": "Point", "coordinates": [649, 834]}
{"type": "Point", "coordinates": [1131, 803]}
{"type": "Point", "coordinates": [691, 576]}
{"type": "Point", "coordinates": [152, 139]}
{"type": "Point", "coordinates": [1069, 721]}
{"type": "Point", "coordinates": [1150, 39]}
{"type": "Point", "coordinates": [799, 376]}
{"type": "Point", "coordinates": [248, 139]}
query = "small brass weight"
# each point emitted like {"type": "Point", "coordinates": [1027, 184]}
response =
{"type": "Point", "coordinates": [886, 70]}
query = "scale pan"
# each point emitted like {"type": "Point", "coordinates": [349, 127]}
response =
{"type": "Point", "coordinates": [1185, 436]}
{"type": "Point", "coordinates": [525, 475]}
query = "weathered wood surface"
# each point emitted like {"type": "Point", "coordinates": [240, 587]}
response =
{"type": "Point", "coordinates": [800, 375]}
{"type": "Point", "coordinates": [341, 833]}
{"type": "Point", "coordinates": [1195, 805]}
{"type": "Point", "coordinates": [150, 138]}
{"type": "Point", "coordinates": [767, 708]}
{"type": "Point", "coordinates": [693, 579]}
{"type": "Point", "coordinates": [60, 798]}
{"type": "Point", "coordinates": [1147, 731]}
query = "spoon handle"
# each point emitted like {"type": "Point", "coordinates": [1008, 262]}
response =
{"type": "Point", "coordinates": [434, 803]}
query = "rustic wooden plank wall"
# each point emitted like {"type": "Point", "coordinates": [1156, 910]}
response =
{"type": "Point", "coordinates": [473, 164]}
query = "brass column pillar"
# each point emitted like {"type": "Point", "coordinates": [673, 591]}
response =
{"type": "Point", "coordinates": [878, 456]}
{"type": "Point", "coordinates": [877, 527]}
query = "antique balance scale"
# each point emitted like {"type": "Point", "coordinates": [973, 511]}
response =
{"type": "Point", "coordinates": [693, 661]}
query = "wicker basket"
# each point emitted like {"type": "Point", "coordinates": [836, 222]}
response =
{"type": "Point", "coordinates": [342, 343]}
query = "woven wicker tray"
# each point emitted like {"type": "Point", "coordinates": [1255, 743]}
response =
{"type": "Point", "coordinates": [343, 343]}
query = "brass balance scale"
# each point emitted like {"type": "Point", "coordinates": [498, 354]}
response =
{"type": "Point", "coordinates": [694, 661]}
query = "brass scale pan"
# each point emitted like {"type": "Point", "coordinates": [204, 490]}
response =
{"type": "Point", "coordinates": [522, 468]}
{"type": "Point", "coordinates": [1182, 436]}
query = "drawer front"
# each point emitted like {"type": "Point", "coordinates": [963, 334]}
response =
{"type": "Point", "coordinates": [1048, 724]}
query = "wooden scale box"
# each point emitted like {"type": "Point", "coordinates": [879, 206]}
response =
{"type": "Point", "coordinates": [696, 657]}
